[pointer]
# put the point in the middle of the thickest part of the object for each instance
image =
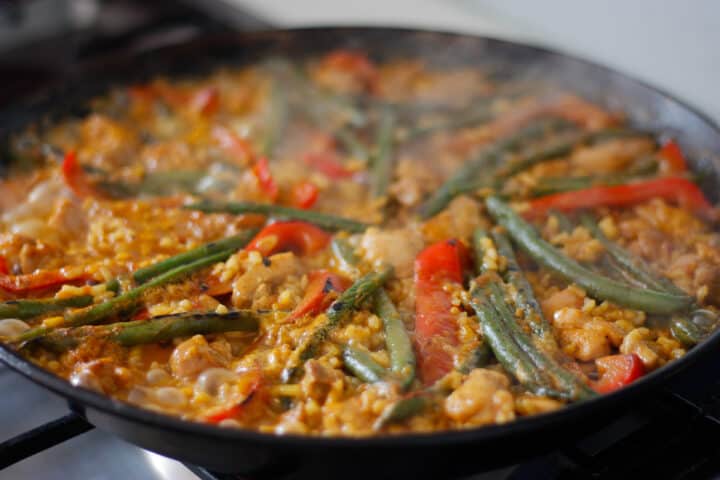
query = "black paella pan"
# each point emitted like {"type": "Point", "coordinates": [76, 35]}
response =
{"type": "Point", "coordinates": [440, 454]}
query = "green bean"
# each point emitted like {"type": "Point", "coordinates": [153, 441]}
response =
{"type": "Point", "coordinates": [402, 410]}
{"type": "Point", "coordinates": [25, 309]}
{"type": "Point", "coordinates": [382, 164]}
{"type": "Point", "coordinates": [127, 300]}
{"type": "Point", "coordinates": [634, 265]}
{"type": "Point", "coordinates": [479, 356]}
{"type": "Point", "coordinates": [352, 144]}
{"type": "Point", "coordinates": [350, 300]}
{"type": "Point", "coordinates": [235, 242]}
{"type": "Point", "coordinates": [465, 180]}
{"type": "Point", "coordinates": [691, 330]}
{"type": "Point", "coordinates": [599, 286]}
{"type": "Point", "coordinates": [278, 118]}
{"type": "Point", "coordinates": [402, 356]}
{"type": "Point", "coordinates": [525, 297]}
{"type": "Point", "coordinates": [154, 330]}
{"type": "Point", "coordinates": [460, 120]}
{"type": "Point", "coordinates": [362, 365]}
{"type": "Point", "coordinates": [322, 220]}
{"type": "Point", "coordinates": [344, 252]}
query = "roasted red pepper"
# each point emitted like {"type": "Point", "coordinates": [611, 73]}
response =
{"type": "Point", "coordinates": [205, 101]}
{"type": "Point", "coordinates": [237, 147]}
{"type": "Point", "coordinates": [436, 328]}
{"type": "Point", "coordinates": [674, 189]}
{"type": "Point", "coordinates": [675, 162]}
{"type": "Point", "coordinates": [304, 195]}
{"type": "Point", "coordinates": [261, 169]}
{"type": "Point", "coordinates": [616, 371]}
{"type": "Point", "coordinates": [322, 289]}
{"type": "Point", "coordinates": [75, 177]}
{"type": "Point", "coordinates": [327, 163]}
{"type": "Point", "coordinates": [251, 382]}
{"type": "Point", "coordinates": [38, 280]}
{"type": "Point", "coordinates": [4, 266]}
{"type": "Point", "coordinates": [299, 237]}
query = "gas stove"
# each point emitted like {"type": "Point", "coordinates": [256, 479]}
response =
{"type": "Point", "coordinates": [671, 436]}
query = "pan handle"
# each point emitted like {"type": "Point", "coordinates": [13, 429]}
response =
{"type": "Point", "coordinates": [41, 438]}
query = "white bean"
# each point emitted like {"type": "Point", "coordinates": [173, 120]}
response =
{"type": "Point", "coordinates": [11, 327]}
{"type": "Point", "coordinates": [170, 396]}
{"type": "Point", "coordinates": [157, 376]}
{"type": "Point", "coordinates": [212, 379]}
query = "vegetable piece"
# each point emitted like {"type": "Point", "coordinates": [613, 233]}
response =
{"type": "Point", "coordinates": [304, 195]}
{"type": "Point", "coordinates": [465, 178]}
{"type": "Point", "coordinates": [597, 285]}
{"type": "Point", "coordinates": [74, 176]}
{"type": "Point", "coordinates": [674, 159]}
{"type": "Point", "coordinates": [319, 293]}
{"type": "Point", "coordinates": [382, 164]}
{"type": "Point", "coordinates": [327, 162]}
{"type": "Point", "coordinates": [344, 252]}
{"type": "Point", "coordinates": [674, 189]}
{"type": "Point", "coordinates": [351, 299]}
{"type": "Point", "coordinates": [436, 330]}
{"type": "Point", "coordinates": [323, 220]}
{"type": "Point", "coordinates": [249, 388]}
{"type": "Point", "coordinates": [129, 299]}
{"type": "Point", "coordinates": [362, 365]}
{"type": "Point", "coordinates": [261, 169]}
{"type": "Point", "coordinates": [25, 309]}
{"type": "Point", "coordinates": [277, 118]}
{"type": "Point", "coordinates": [693, 328]}
{"type": "Point", "coordinates": [402, 410]}
{"type": "Point", "coordinates": [4, 267]}
{"type": "Point", "coordinates": [352, 145]}
{"type": "Point", "coordinates": [237, 147]}
{"type": "Point", "coordinates": [298, 237]}
{"type": "Point", "coordinates": [154, 330]}
{"type": "Point", "coordinates": [402, 357]}
{"type": "Point", "coordinates": [632, 264]}
{"type": "Point", "coordinates": [41, 279]}
{"type": "Point", "coordinates": [234, 242]}
{"type": "Point", "coordinates": [617, 371]}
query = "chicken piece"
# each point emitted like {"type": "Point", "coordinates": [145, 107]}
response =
{"type": "Point", "coordinates": [318, 380]}
{"type": "Point", "coordinates": [584, 344]}
{"type": "Point", "coordinates": [482, 399]}
{"type": "Point", "coordinates": [267, 274]}
{"type": "Point", "coordinates": [67, 218]}
{"type": "Point", "coordinates": [101, 375]}
{"type": "Point", "coordinates": [196, 355]}
{"type": "Point", "coordinates": [458, 220]}
{"type": "Point", "coordinates": [533, 405]}
{"type": "Point", "coordinates": [610, 157]}
{"type": "Point", "coordinates": [397, 247]}
{"type": "Point", "coordinates": [640, 342]}
{"type": "Point", "coordinates": [570, 297]}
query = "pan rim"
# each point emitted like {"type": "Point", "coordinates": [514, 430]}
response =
{"type": "Point", "coordinates": [90, 399]}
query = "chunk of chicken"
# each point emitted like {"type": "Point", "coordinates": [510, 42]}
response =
{"type": "Point", "coordinates": [640, 342]}
{"type": "Point", "coordinates": [101, 375]}
{"type": "Point", "coordinates": [610, 157]}
{"type": "Point", "coordinates": [318, 380]}
{"type": "Point", "coordinates": [458, 220]}
{"type": "Point", "coordinates": [196, 355]}
{"type": "Point", "coordinates": [482, 399]}
{"type": "Point", "coordinates": [397, 247]}
{"type": "Point", "coordinates": [270, 274]}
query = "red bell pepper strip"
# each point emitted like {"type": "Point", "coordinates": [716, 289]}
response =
{"type": "Point", "coordinates": [319, 294]}
{"type": "Point", "coordinates": [205, 101]}
{"type": "Point", "coordinates": [38, 280]}
{"type": "Point", "coordinates": [304, 195]}
{"type": "Point", "coordinates": [237, 147]}
{"type": "Point", "coordinates": [4, 266]}
{"type": "Point", "coordinates": [74, 176]}
{"type": "Point", "coordinates": [261, 169]}
{"type": "Point", "coordinates": [674, 158]}
{"type": "Point", "coordinates": [616, 371]}
{"type": "Point", "coordinates": [299, 237]}
{"type": "Point", "coordinates": [250, 388]}
{"type": "Point", "coordinates": [675, 189]}
{"type": "Point", "coordinates": [436, 330]}
{"type": "Point", "coordinates": [327, 163]}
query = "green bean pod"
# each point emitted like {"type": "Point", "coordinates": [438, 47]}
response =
{"type": "Point", "coordinates": [362, 365]}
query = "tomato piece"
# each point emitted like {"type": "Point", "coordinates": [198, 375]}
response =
{"type": "Point", "coordinates": [675, 189]}
{"type": "Point", "coordinates": [616, 371]}
{"type": "Point", "coordinates": [327, 163]}
{"type": "Point", "coordinates": [261, 169]}
{"type": "Point", "coordinates": [674, 159]}
{"type": "Point", "coordinates": [299, 237]}
{"type": "Point", "coordinates": [38, 280]}
{"type": "Point", "coordinates": [304, 195]}
{"type": "Point", "coordinates": [436, 329]}
{"type": "Point", "coordinates": [205, 101]}
{"type": "Point", "coordinates": [236, 146]}
{"type": "Point", "coordinates": [74, 176]}
{"type": "Point", "coordinates": [322, 289]}
{"type": "Point", "coordinates": [250, 384]}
